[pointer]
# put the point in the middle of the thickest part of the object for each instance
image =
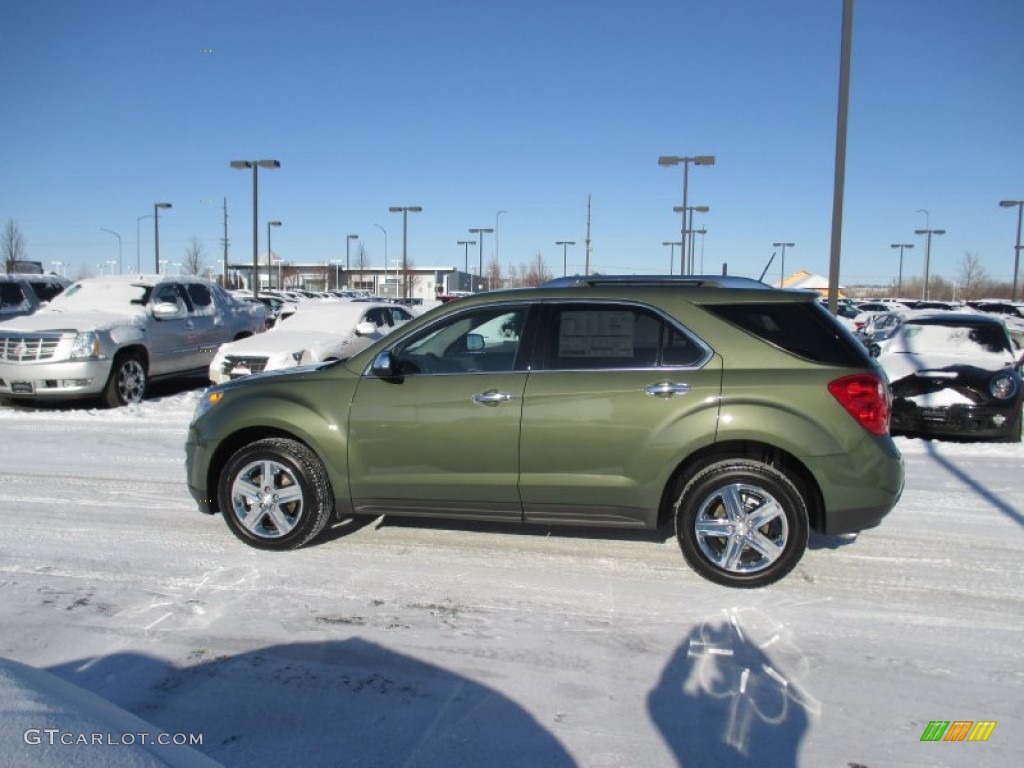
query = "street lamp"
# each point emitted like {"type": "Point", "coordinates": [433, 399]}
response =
{"type": "Point", "coordinates": [270, 255]}
{"type": "Point", "coordinates": [1016, 249]}
{"type": "Point", "coordinates": [255, 165]}
{"type": "Point", "coordinates": [927, 254]}
{"type": "Point", "coordinates": [688, 262]}
{"type": "Point", "coordinates": [156, 230]}
{"type": "Point", "coordinates": [378, 226]}
{"type": "Point", "coordinates": [466, 243]}
{"type": "Point", "coordinates": [672, 253]}
{"type": "Point", "coordinates": [481, 232]}
{"type": "Point", "coordinates": [271, 266]}
{"type": "Point", "coordinates": [899, 279]}
{"type": "Point", "coordinates": [782, 262]}
{"type": "Point", "coordinates": [348, 241]}
{"type": "Point", "coordinates": [565, 244]}
{"type": "Point", "coordinates": [670, 160]}
{"type": "Point", "coordinates": [405, 210]}
{"type": "Point", "coordinates": [119, 259]}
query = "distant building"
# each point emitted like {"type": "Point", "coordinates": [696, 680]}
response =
{"type": "Point", "coordinates": [424, 282]}
{"type": "Point", "coordinates": [809, 281]}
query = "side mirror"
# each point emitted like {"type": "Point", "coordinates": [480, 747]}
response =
{"type": "Point", "coordinates": [474, 342]}
{"type": "Point", "coordinates": [365, 328]}
{"type": "Point", "coordinates": [167, 311]}
{"type": "Point", "coordinates": [383, 366]}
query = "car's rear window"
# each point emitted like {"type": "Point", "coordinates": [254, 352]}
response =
{"type": "Point", "coordinates": [802, 328]}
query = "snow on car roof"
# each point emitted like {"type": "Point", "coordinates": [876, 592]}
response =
{"type": "Point", "coordinates": [314, 315]}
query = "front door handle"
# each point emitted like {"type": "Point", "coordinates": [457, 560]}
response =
{"type": "Point", "coordinates": [492, 397]}
{"type": "Point", "coordinates": [667, 389]}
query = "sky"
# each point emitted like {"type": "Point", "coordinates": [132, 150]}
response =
{"type": "Point", "coordinates": [513, 116]}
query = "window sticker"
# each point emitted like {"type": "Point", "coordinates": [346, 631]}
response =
{"type": "Point", "coordinates": [596, 334]}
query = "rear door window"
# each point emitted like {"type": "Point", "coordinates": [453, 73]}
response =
{"type": "Point", "coordinates": [805, 329]}
{"type": "Point", "coordinates": [582, 336]}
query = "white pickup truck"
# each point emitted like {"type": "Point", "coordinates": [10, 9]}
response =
{"type": "Point", "coordinates": [108, 337]}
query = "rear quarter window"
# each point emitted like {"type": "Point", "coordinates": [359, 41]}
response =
{"type": "Point", "coordinates": [805, 329]}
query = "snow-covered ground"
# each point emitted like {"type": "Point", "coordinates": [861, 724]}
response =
{"type": "Point", "coordinates": [406, 643]}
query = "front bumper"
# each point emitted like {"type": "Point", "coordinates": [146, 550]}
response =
{"type": "Point", "coordinates": [64, 379]}
{"type": "Point", "coordinates": [955, 420]}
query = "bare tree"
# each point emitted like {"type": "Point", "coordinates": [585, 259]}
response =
{"type": "Point", "coordinates": [13, 246]}
{"type": "Point", "coordinates": [537, 273]}
{"type": "Point", "coordinates": [193, 264]}
{"type": "Point", "coordinates": [974, 281]}
{"type": "Point", "coordinates": [494, 276]}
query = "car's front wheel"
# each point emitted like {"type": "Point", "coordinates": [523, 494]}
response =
{"type": "Point", "coordinates": [127, 382]}
{"type": "Point", "coordinates": [275, 494]}
{"type": "Point", "coordinates": [741, 523]}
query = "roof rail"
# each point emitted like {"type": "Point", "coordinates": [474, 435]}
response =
{"type": "Point", "coordinates": [682, 281]}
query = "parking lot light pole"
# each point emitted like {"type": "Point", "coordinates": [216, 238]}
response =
{"type": "Point", "coordinates": [255, 165]}
{"type": "Point", "coordinates": [782, 262]}
{"type": "Point", "coordinates": [270, 254]}
{"type": "Point", "coordinates": [899, 279]}
{"type": "Point", "coordinates": [688, 261]}
{"type": "Point", "coordinates": [156, 230]}
{"type": "Point", "coordinates": [1016, 249]}
{"type": "Point", "coordinates": [565, 244]}
{"type": "Point", "coordinates": [120, 261]}
{"type": "Point", "coordinates": [672, 253]}
{"type": "Point", "coordinates": [466, 243]}
{"type": "Point", "coordinates": [927, 254]}
{"type": "Point", "coordinates": [670, 160]}
{"type": "Point", "coordinates": [405, 210]}
{"type": "Point", "coordinates": [348, 266]}
{"type": "Point", "coordinates": [481, 231]}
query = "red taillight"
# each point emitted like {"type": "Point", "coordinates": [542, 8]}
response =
{"type": "Point", "coordinates": [866, 398]}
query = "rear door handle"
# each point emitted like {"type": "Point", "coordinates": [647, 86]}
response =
{"type": "Point", "coordinates": [667, 389]}
{"type": "Point", "coordinates": [492, 397]}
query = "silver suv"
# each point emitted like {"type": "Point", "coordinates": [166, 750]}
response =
{"type": "Point", "coordinates": [108, 337]}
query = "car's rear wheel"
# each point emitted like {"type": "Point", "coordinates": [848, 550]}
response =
{"type": "Point", "coordinates": [275, 494]}
{"type": "Point", "coordinates": [741, 523]}
{"type": "Point", "coordinates": [127, 381]}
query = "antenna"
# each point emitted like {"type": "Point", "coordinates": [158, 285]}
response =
{"type": "Point", "coordinates": [761, 278]}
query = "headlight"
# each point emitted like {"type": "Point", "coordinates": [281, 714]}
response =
{"type": "Point", "coordinates": [206, 401]}
{"type": "Point", "coordinates": [1003, 386]}
{"type": "Point", "coordinates": [85, 345]}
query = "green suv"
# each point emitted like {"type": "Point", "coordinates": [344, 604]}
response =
{"type": "Point", "coordinates": [744, 414]}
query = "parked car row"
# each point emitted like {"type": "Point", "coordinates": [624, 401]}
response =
{"type": "Point", "coordinates": [108, 337]}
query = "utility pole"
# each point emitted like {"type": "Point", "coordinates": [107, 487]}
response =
{"type": "Point", "coordinates": [586, 268]}
{"type": "Point", "coordinates": [224, 240]}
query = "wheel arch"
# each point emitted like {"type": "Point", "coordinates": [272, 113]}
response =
{"type": "Point", "coordinates": [227, 446]}
{"type": "Point", "coordinates": [753, 450]}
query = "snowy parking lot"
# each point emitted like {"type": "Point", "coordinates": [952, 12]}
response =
{"type": "Point", "coordinates": [408, 643]}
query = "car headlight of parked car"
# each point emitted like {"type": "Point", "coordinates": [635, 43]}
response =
{"type": "Point", "coordinates": [1003, 386]}
{"type": "Point", "coordinates": [86, 345]}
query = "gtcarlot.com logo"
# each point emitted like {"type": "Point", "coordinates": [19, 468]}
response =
{"type": "Point", "coordinates": [958, 730]}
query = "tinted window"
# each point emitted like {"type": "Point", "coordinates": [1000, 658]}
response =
{"type": "Point", "coordinates": [46, 289]}
{"type": "Point", "coordinates": [805, 329]}
{"type": "Point", "coordinates": [11, 295]}
{"type": "Point", "coordinates": [200, 295]}
{"type": "Point", "coordinates": [581, 336]}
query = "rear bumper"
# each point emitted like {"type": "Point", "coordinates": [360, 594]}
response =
{"type": "Point", "coordinates": [955, 421]}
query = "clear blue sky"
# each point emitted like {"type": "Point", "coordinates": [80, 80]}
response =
{"type": "Point", "coordinates": [469, 108]}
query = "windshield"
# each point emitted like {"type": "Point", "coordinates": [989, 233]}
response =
{"type": "Point", "coordinates": [101, 297]}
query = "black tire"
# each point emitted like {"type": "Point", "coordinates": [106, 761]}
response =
{"type": "Point", "coordinates": [127, 381]}
{"type": "Point", "coordinates": [275, 494]}
{"type": "Point", "coordinates": [741, 523]}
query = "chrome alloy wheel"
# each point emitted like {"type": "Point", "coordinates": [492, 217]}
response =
{"type": "Point", "coordinates": [267, 499]}
{"type": "Point", "coordinates": [131, 381]}
{"type": "Point", "coordinates": [741, 528]}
